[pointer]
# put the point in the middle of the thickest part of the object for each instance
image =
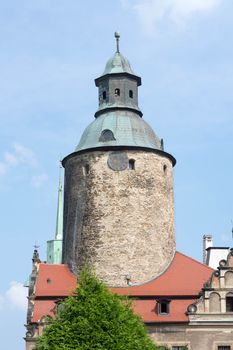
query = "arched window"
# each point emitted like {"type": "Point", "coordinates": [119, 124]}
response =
{"type": "Point", "coordinates": [215, 302]}
{"type": "Point", "coordinates": [117, 92]}
{"type": "Point", "coordinates": [106, 135]}
{"type": "Point", "coordinates": [229, 302]}
{"type": "Point", "coordinates": [104, 95]}
{"type": "Point", "coordinates": [131, 164]}
{"type": "Point", "coordinates": [229, 279]}
{"type": "Point", "coordinates": [165, 169]}
{"type": "Point", "coordinates": [131, 93]}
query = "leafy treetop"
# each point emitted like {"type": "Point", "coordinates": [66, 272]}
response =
{"type": "Point", "coordinates": [95, 319]}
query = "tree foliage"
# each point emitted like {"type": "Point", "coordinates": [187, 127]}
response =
{"type": "Point", "coordinates": [95, 319]}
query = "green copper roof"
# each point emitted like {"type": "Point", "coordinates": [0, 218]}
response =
{"type": "Point", "coordinates": [128, 130]}
{"type": "Point", "coordinates": [118, 64]}
{"type": "Point", "coordinates": [118, 119]}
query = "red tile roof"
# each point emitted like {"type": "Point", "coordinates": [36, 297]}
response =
{"type": "Point", "coordinates": [182, 282]}
{"type": "Point", "coordinates": [54, 281]}
{"type": "Point", "coordinates": [42, 308]}
{"type": "Point", "coordinates": [185, 276]}
{"type": "Point", "coordinates": [147, 309]}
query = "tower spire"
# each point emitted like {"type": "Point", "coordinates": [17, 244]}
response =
{"type": "Point", "coordinates": [59, 220]}
{"type": "Point", "coordinates": [117, 36]}
{"type": "Point", "coordinates": [54, 246]}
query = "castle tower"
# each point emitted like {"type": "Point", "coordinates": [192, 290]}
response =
{"type": "Point", "coordinates": [118, 201]}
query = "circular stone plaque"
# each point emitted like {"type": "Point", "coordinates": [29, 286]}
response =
{"type": "Point", "coordinates": [118, 161]}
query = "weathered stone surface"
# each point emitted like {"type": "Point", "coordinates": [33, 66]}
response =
{"type": "Point", "coordinates": [120, 222]}
{"type": "Point", "coordinates": [196, 338]}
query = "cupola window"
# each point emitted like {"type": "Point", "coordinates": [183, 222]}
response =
{"type": "Point", "coordinates": [117, 92]}
{"type": "Point", "coordinates": [131, 93]}
{"type": "Point", "coordinates": [104, 95]}
{"type": "Point", "coordinates": [163, 306]}
{"type": "Point", "coordinates": [107, 135]}
{"type": "Point", "coordinates": [131, 164]}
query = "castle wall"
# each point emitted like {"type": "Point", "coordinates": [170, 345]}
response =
{"type": "Point", "coordinates": [195, 338]}
{"type": "Point", "coordinates": [120, 222]}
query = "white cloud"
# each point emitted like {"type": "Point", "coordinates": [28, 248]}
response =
{"type": "Point", "coordinates": [20, 155]}
{"type": "Point", "coordinates": [15, 297]}
{"type": "Point", "coordinates": [39, 180]}
{"type": "Point", "coordinates": [151, 12]}
{"type": "Point", "coordinates": [25, 155]}
{"type": "Point", "coordinates": [10, 159]}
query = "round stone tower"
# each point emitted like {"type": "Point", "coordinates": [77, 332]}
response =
{"type": "Point", "coordinates": [118, 205]}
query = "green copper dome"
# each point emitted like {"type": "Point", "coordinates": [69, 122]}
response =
{"type": "Point", "coordinates": [118, 64]}
{"type": "Point", "coordinates": [125, 128]}
{"type": "Point", "coordinates": [118, 119]}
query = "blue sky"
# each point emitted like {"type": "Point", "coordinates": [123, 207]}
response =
{"type": "Point", "coordinates": [51, 51]}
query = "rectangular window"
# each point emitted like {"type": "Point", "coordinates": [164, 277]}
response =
{"type": "Point", "coordinates": [179, 347]}
{"type": "Point", "coordinates": [163, 306]}
{"type": "Point", "coordinates": [224, 347]}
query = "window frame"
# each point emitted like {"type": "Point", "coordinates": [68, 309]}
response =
{"type": "Point", "coordinates": [159, 306]}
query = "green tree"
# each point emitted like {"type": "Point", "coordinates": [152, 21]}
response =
{"type": "Point", "coordinates": [95, 319]}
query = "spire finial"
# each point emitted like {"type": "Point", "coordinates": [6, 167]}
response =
{"type": "Point", "coordinates": [117, 36]}
{"type": "Point", "coordinates": [59, 221]}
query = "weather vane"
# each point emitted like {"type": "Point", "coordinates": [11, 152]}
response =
{"type": "Point", "coordinates": [232, 228]}
{"type": "Point", "coordinates": [117, 36]}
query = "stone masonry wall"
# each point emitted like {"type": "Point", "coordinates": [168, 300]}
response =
{"type": "Point", "coordinates": [120, 222]}
{"type": "Point", "coordinates": [196, 338]}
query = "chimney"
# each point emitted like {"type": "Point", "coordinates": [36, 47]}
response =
{"type": "Point", "coordinates": [207, 242]}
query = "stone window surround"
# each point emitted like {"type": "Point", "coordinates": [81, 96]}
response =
{"type": "Point", "coordinates": [222, 343]}
{"type": "Point", "coordinates": [169, 345]}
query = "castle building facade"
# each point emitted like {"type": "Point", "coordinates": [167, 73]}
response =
{"type": "Point", "coordinates": [119, 219]}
